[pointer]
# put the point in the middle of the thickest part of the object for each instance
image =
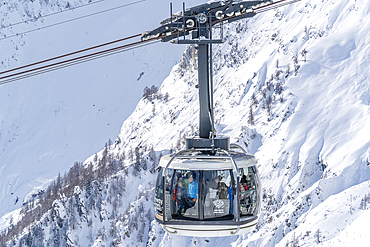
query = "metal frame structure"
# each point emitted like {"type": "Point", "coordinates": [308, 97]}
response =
{"type": "Point", "coordinates": [198, 22]}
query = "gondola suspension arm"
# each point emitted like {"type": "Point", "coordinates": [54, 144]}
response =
{"type": "Point", "coordinates": [198, 22]}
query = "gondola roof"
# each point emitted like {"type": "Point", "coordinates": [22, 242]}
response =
{"type": "Point", "coordinates": [207, 162]}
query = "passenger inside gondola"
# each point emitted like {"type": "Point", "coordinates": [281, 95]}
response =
{"type": "Point", "coordinates": [247, 192]}
{"type": "Point", "coordinates": [179, 192]}
{"type": "Point", "coordinates": [185, 198]}
{"type": "Point", "coordinates": [217, 199]}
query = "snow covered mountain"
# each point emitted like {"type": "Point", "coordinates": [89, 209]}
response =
{"type": "Point", "coordinates": [291, 86]}
{"type": "Point", "coordinates": [50, 121]}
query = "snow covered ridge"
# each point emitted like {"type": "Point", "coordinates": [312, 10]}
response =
{"type": "Point", "coordinates": [301, 73]}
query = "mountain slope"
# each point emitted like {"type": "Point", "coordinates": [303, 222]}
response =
{"type": "Point", "coordinates": [50, 121]}
{"type": "Point", "coordinates": [306, 65]}
{"type": "Point", "coordinates": [302, 73]}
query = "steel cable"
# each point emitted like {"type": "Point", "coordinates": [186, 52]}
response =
{"type": "Point", "coordinates": [69, 54]}
{"type": "Point", "coordinates": [55, 13]}
{"type": "Point", "coordinates": [72, 60]}
{"type": "Point", "coordinates": [75, 61]}
{"type": "Point", "coordinates": [274, 5]}
{"type": "Point", "coordinates": [74, 19]}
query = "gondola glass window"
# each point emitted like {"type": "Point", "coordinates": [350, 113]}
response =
{"type": "Point", "coordinates": [203, 195]}
{"type": "Point", "coordinates": [218, 194]}
{"type": "Point", "coordinates": [248, 187]}
{"type": "Point", "coordinates": [159, 190]}
{"type": "Point", "coordinates": [185, 195]}
{"type": "Point", "coordinates": [208, 195]}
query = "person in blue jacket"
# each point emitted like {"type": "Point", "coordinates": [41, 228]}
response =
{"type": "Point", "coordinates": [193, 187]}
{"type": "Point", "coordinates": [191, 197]}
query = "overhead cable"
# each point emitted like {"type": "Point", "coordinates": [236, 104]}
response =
{"type": "Point", "coordinates": [74, 61]}
{"type": "Point", "coordinates": [74, 19]}
{"type": "Point", "coordinates": [274, 5]}
{"type": "Point", "coordinates": [70, 54]}
{"type": "Point", "coordinates": [7, 78]}
{"type": "Point", "coordinates": [43, 16]}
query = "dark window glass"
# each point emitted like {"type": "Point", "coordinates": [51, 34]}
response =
{"type": "Point", "coordinates": [167, 192]}
{"type": "Point", "coordinates": [218, 194]}
{"type": "Point", "coordinates": [203, 195]}
{"type": "Point", "coordinates": [185, 194]}
{"type": "Point", "coordinates": [248, 191]}
{"type": "Point", "coordinates": [159, 193]}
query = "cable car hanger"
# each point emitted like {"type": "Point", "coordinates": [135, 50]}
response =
{"type": "Point", "coordinates": [198, 22]}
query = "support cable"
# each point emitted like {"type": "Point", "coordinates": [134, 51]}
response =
{"type": "Point", "coordinates": [74, 19]}
{"type": "Point", "coordinates": [70, 54]}
{"type": "Point", "coordinates": [92, 56]}
{"type": "Point", "coordinates": [71, 62]}
{"type": "Point", "coordinates": [274, 5]}
{"type": "Point", "coordinates": [43, 16]}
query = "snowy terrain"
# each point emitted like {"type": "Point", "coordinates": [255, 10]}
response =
{"type": "Point", "coordinates": [303, 71]}
{"type": "Point", "coordinates": [50, 121]}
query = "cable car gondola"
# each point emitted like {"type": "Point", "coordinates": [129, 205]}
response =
{"type": "Point", "coordinates": [210, 188]}
{"type": "Point", "coordinates": [208, 195]}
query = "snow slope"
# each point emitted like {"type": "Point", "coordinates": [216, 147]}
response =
{"type": "Point", "coordinates": [303, 70]}
{"type": "Point", "coordinates": [313, 144]}
{"type": "Point", "coordinates": [50, 121]}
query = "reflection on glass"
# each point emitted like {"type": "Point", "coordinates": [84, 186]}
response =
{"type": "Point", "coordinates": [159, 193]}
{"type": "Point", "coordinates": [185, 194]}
{"type": "Point", "coordinates": [218, 194]}
{"type": "Point", "coordinates": [205, 195]}
{"type": "Point", "coordinates": [213, 188]}
{"type": "Point", "coordinates": [167, 193]}
{"type": "Point", "coordinates": [247, 191]}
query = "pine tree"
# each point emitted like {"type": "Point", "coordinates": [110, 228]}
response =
{"type": "Point", "coordinates": [144, 164]}
{"type": "Point", "coordinates": [137, 155]}
{"type": "Point", "coordinates": [250, 116]}
{"type": "Point", "coordinates": [72, 213]}
{"type": "Point", "coordinates": [254, 100]}
{"type": "Point", "coordinates": [58, 184]}
{"type": "Point", "coordinates": [147, 94]}
{"type": "Point", "coordinates": [130, 155]}
{"type": "Point", "coordinates": [110, 143]}
{"type": "Point", "coordinates": [121, 160]}
{"type": "Point", "coordinates": [287, 72]}
{"type": "Point", "coordinates": [38, 236]}
{"type": "Point", "coordinates": [153, 109]}
{"type": "Point", "coordinates": [304, 55]}
{"type": "Point", "coordinates": [153, 159]}
{"type": "Point", "coordinates": [112, 229]}
{"type": "Point", "coordinates": [121, 184]}
{"type": "Point", "coordinates": [317, 236]}
{"type": "Point", "coordinates": [166, 97]}
{"type": "Point", "coordinates": [154, 91]}
{"type": "Point", "coordinates": [136, 169]}
{"type": "Point", "coordinates": [269, 105]}
{"type": "Point", "coordinates": [278, 88]}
